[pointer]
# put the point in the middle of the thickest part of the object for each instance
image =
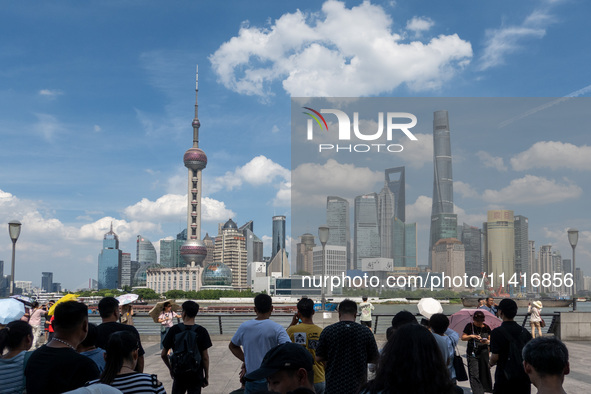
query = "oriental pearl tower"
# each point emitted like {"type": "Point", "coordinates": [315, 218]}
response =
{"type": "Point", "coordinates": [194, 250]}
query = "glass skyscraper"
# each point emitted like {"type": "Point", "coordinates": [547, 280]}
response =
{"type": "Point", "coordinates": [442, 218]}
{"type": "Point", "coordinates": [367, 234]}
{"type": "Point", "coordinates": [385, 217]}
{"type": "Point", "coordinates": [471, 237]}
{"type": "Point", "coordinates": [337, 220]}
{"type": "Point", "coordinates": [522, 264]}
{"type": "Point", "coordinates": [395, 182]}
{"type": "Point", "coordinates": [278, 235]}
{"type": "Point", "coordinates": [109, 262]}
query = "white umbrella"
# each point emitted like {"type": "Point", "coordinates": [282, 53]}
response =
{"type": "Point", "coordinates": [11, 310]}
{"type": "Point", "coordinates": [429, 306]}
{"type": "Point", "coordinates": [125, 299]}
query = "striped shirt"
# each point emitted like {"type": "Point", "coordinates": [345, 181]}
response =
{"type": "Point", "coordinates": [12, 376]}
{"type": "Point", "coordinates": [135, 383]}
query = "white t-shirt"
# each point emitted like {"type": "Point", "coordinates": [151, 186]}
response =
{"type": "Point", "coordinates": [257, 337]}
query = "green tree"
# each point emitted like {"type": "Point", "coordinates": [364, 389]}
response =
{"type": "Point", "coordinates": [147, 294]}
{"type": "Point", "coordinates": [175, 294]}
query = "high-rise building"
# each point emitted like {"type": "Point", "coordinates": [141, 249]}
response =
{"type": "Point", "coordinates": [109, 262]}
{"type": "Point", "coordinates": [47, 281]}
{"type": "Point", "coordinates": [404, 243]}
{"type": "Point", "coordinates": [338, 222]}
{"type": "Point", "coordinates": [254, 245]}
{"type": "Point", "coordinates": [500, 240]}
{"type": "Point", "coordinates": [128, 270]}
{"type": "Point", "coordinates": [366, 234]}
{"type": "Point", "coordinates": [336, 262]}
{"type": "Point", "coordinates": [304, 255]}
{"type": "Point", "coordinates": [471, 237]}
{"type": "Point", "coordinates": [230, 249]}
{"type": "Point", "coordinates": [395, 182]}
{"type": "Point", "coordinates": [170, 253]}
{"type": "Point", "coordinates": [279, 265]}
{"type": "Point", "coordinates": [194, 250]}
{"type": "Point", "coordinates": [443, 203]}
{"type": "Point", "coordinates": [545, 264]}
{"type": "Point", "coordinates": [522, 263]}
{"type": "Point", "coordinates": [210, 246]}
{"type": "Point", "coordinates": [278, 242]}
{"type": "Point", "coordinates": [145, 251]}
{"type": "Point", "coordinates": [385, 217]}
{"type": "Point", "coordinates": [533, 261]}
{"type": "Point", "coordinates": [449, 258]}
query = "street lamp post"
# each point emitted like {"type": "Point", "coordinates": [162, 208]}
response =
{"type": "Point", "coordinates": [323, 237]}
{"type": "Point", "coordinates": [573, 238]}
{"type": "Point", "coordinates": [14, 230]}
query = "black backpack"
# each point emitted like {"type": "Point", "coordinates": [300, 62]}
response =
{"type": "Point", "coordinates": [186, 357]}
{"type": "Point", "coordinates": [514, 366]}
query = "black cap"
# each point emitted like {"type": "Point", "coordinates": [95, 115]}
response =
{"type": "Point", "coordinates": [478, 314]}
{"type": "Point", "coordinates": [285, 356]}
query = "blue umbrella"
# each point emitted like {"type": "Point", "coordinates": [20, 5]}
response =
{"type": "Point", "coordinates": [11, 310]}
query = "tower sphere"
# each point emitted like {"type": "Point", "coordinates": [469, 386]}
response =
{"type": "Point", "coordinates": [196, 123]}
{"type": "Point", "coordinates": [195, 251]}
{"type": "Point", "coordinates": [195, 159]}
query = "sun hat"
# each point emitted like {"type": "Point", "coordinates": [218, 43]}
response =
{"type": "Point", "coordinates": [538, 304]}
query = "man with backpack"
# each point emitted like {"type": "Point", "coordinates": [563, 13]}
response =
{"type": "Point", "coordinates": [506, 345]}
{"type": "Point", "coordinates": [189, 362]}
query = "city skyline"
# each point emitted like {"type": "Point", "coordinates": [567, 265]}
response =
{"type": "Point", "coordinates": [95, 120]}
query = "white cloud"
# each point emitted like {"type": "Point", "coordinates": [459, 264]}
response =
{"type": "Point", "coordinates": [312, 182]}
{"type": "Point", "coordinates": [260, 170]}
{"type": "Point", "coordinates": [97, 128]}
{"type": "Point", "coordinates": [418, 25]}
{"type": "Point", "coordinates": [464, 189]}
{"type": "Point", "coordinates": [420, 210]}
{"type": "Point", "coordinates": [533, 190]}
{"type": "Point", "coordinates": [274, 129]}
{"type": "Point", "coordinates": [554, 155]}
{"type": "Point", "coordinates": [511, 39]}
{"type": "Point", "coordinates": [417, 153]}
{"type": "Point", "coordinates": [283, 196]}
{"type": "Point", "coordinates": [491, 161]}
{"type": "Point", "coordinates": [170, 207]}
{"type": "Point", "coordinates": [313, 55]}
{"type": "Point", "coordinates": [52, 93]}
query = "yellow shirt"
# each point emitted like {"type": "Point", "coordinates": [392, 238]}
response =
{"type": "Point", "coordinates": [308, 335]}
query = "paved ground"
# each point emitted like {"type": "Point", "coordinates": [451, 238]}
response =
{"type": "Point", "coordinates": [225, 367]}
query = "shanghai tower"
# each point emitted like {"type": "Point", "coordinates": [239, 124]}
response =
{"type": "Point", "coordinates": [194, 250]}
{"type": "Point", "coordinates": [443, 219]}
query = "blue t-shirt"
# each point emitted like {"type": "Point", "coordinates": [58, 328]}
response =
{"type": "Point", "coordinates": [257, 337]}
{"type": "Point", "coordinates": [96, 355]}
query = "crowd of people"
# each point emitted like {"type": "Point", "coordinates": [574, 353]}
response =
{"type": "Point", "coordinates": [305, 358]}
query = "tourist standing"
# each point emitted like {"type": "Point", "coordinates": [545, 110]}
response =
{"type": "Point", "coordinates": [307, 334]}
{"type": "Point", "coordinates": [122, 354]}
{"type": "Point", "coordinates": [411, 362]}
{"type": "Point", "coordinates": [254, 338]}
{"type": "Point", "coordinates": [365, 309]}
{"type": "Point", "coordinates": [477, 333]}
{"type": "Point", "coordinates": [193, 380]}
{"type": "Point", "coordinates": [535, 318]}
{"type": "Point", "coordinates": [109, 311]}
{"type": "Point", "coordinates": [346, 348]}
{"type": "Point", "coordinates": [546, 362]}
{"type": "Point", "coordinates": [127, 314]}
{"type": "Point", "coordinates": [16, 338]}
{"type": "Point", "coordinates": [166, 320]}
{"type": "Point", "coordinates": [490, 306]}
{"type": "Point", "coordinates": [510, 376]}
{"type": "Point", "coordinates": [57, 367]}
{"type": "Point", "coordinates": [35, 322]}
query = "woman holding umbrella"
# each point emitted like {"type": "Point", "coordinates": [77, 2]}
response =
{"type": "Point", "coordinates": [165, 319]}
{"type": "Point", "coordinates": [477, 334]}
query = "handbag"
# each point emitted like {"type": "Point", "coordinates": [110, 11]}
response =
{"type": "Point", "coordinates": [458, 362]}
{"type": "Point", "coordinates": [542, 323]}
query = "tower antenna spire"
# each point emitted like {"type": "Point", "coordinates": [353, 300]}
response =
{"type": "Point", "coordinates": [196, 123]}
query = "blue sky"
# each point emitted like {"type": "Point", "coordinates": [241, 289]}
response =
{"type": "Point", "coordinates": [96, 102]}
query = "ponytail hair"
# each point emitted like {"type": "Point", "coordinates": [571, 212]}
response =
{"type": "Point", "coordinates": [120, 347]}
{"type": "Point", "coordinates": [13, 334]}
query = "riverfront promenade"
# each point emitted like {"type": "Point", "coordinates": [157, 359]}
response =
{"type": "Point", "coordinates": [224, 367]}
